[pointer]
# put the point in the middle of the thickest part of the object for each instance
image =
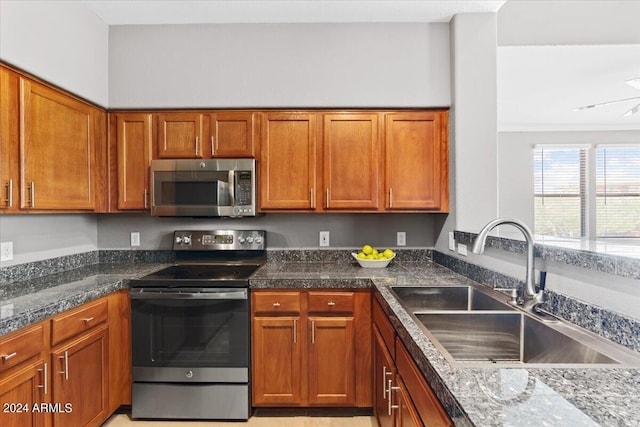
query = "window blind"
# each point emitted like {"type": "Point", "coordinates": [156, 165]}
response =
{"type": "Point", "coordinates": [618, 191]}
{"type": "Point", "coordinates": [559, 191]}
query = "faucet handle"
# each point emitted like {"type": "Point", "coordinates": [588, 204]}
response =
{"type": "Point", "coordinates": [513, 292]}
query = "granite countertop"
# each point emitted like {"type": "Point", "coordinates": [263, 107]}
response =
{"type": "Point", "coordinates": [472, 396]}
{"type": "Point", "coordinates": [29, 301]}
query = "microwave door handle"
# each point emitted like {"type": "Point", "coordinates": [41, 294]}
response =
{"type": "Point", "coordinates": [232, 187]}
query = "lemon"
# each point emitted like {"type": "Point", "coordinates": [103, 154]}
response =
{"type": "Point", "coordinates": [371, 256]}
{"type": "Point", "coordinates": [375, 251]}
{"type": "Point", "coordinates": [367, 249]}
{"type": "Point", "coordinates": [388, 253]}
{"type": "Point", "coordinates": [361, 255]}
{"type": "Point", "coordinates": [381, 256]}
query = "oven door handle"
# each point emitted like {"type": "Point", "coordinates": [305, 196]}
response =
{"type": "Point", "coordinates": [240, 294]}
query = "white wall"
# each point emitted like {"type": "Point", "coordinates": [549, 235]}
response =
{"type": "Point", "coordinates": [473, 41]}
{"type": "Point", "coordinates": [279, 65]}
{"type": "Point", "coordinates": [62, 42]}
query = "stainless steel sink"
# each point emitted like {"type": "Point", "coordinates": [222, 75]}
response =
{"type": "Point", "coordinates": [472, 327]}
{"type": "Point", "coordinates": [416, 298]}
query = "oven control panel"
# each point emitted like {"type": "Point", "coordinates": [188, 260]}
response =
{"type": "Point", "coordinates": [207, 240]}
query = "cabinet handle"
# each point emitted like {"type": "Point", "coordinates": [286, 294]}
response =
{"type": "Point", "coordinates": [197, 146]}
{"type": "Point", "coordinates": [327, 197]}
{"type": "Point", "coordinates": [10, 193]}
{"type": "Point", "coordinates": [146, 198]}
{"type": "Point", "coordinates": [313, 199]}
{"type": "Point", "coordinates": [385, 374]}
{"type": "Point", "coordinates": [331, 303]}
{"type": "Point", "coordinates": [32, 190]}
{"type": "Point", "coordinates": [6, 357]}
{"type": "Point", "coordinates": [44, 376]}
{"type": "Point", "coordinates": [213, 149]}
{"type": "Point", "coordinates": [87, 320]}
{"type": "Point", "coordinates": [65, 372]}
{"type": "Point", "coordinates": [295, 331]}
{"type": "Point", "coordinates": [276, 304]}
{"type": "Point", "coordinates": [390, 405]}
{"type": "Point", "coordinates": [313, 332]}
{"type": "Point", "coordinates": [390, 198]}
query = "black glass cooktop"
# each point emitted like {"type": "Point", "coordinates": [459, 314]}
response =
{"type": "Point", "coordinates": [198, 275]}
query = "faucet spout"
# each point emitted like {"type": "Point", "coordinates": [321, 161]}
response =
{"type": "Point", "coordinates": [531, 297]}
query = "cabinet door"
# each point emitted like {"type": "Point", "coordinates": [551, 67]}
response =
{"type": "Point", "coordinates": [416, 161]}
{"type": "Point", "coordinates": [181, 135]}
{"type": "Point", "coordinates": [406, 413]}
{"type": "Point", "coordinates": [23, 391]}
{"type": "Point", "coordinates": [134, 156]}
{"type": "Point", "coordinates": [232, 135]}
{"type": "Point", "coordinates": [383, 376]}
{"type": "Point", "coordinates": [9, 119]}
{"type": "Point", "coordinates": [351, 161]}
{"type": "Point", "coordinates": [277, 361]}
{"type": "Point", "coordinates": [80, 378]}
{"type": "Point", "coordinates": [288, 162]}
{"type": "Point", "coordinates": [331, 361]}
{"type": "Point", "coordinates": [57, 149]}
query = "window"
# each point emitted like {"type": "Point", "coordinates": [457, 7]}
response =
{"type": "Point", "coordinates": [618, 191]}
{"type": "Point", "coordinates": [563, 191]}
{"type": "Point", "coordinates": [559, 191]}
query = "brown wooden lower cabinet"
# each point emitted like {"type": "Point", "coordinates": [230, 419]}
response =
{"type": "Point", "coordinates": [401, 394]}
{"type": "Point", "coordinates": [23, 390]}
{"type": "Point", "coordinates": [68, 370]}
{"type": "Point", "coordinates": [311, 348]}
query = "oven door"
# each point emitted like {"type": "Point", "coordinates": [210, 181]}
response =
{"type": "Point", "coordinates": [193, 335]}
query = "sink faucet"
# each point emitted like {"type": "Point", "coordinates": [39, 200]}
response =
{"type": "Point", "coordinates": [531, 298]}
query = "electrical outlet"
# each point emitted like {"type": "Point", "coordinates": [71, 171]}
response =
{"type": "Point", "coordinates": [401, 239]}
{"type": "Point", "coordinates": [462, 249]}
{"type": "Point", "coordinates": [324, 238]}
{"type": "Point", "coordinates": [135, 238]}
{"type": "Point", "coordinates": [6, 251]}
{"type": "Point", "coordinates": [452, 241]}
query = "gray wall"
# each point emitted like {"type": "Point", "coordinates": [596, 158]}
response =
{"type": "Point", "coordinates": [284, 230]}
{"type": "Point", "coordinates": [62, 42]}
{"type": "Point", "coordinates": [37, 237]}
{"type": "Point", "coordinates": [279, 65]}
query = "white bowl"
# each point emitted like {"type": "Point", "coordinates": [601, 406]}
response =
{"type": "Point", "coordinates": [372, 263]}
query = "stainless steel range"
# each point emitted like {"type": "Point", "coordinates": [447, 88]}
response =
{"type": "Point", "coordinates": [190, 328]}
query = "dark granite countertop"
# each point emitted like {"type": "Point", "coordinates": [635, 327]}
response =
{"type": "Point", "coordinates": [29, 301]}
{"type": "Point", "coordinates": [472, 396]}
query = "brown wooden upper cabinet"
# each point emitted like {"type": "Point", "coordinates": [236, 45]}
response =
{"type": "Point", "coordinates": [416, 161]}
{"type": "Point", "coordinates": [232, 134]}
{"type": "Point", "coordinates": [58, 140]}
{"type": "Point", "coordinates": [181, 135]}
{"type": "Point", "coordinates": [287, 165]}
{"type": "Point", "coordinates": [133, 146]}
{"type": "Point", "coordinates": [197, 135]}
{"type": "Point", "coordinates": [351, 147]}
{"type": "Point", "coordinates": [9, 147]}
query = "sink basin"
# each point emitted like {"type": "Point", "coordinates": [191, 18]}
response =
{"type": "Point", "coordinates": [466, 298]}
{"type": "Point", "coordinates": [472, 327]}
{"type": "Point", "coordinates": [507, 337]}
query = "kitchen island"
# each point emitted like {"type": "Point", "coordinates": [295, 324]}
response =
{"type": "Point", "coordinates": [484, 396]}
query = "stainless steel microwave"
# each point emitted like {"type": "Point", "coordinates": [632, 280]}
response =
{"type": "Point", "coordinates": [211, 187]}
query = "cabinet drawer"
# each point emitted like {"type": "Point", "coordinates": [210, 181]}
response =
{"type": "Point", "coordinates": [381, 321]}
{"type": "Point", "coordinates": [276, 302]}
{"type": "Point", "coordinates": [79, 320]}
{"type": "Point", "coordinates": [330, 302]}
{"type": "Point", "coordinates": [20, 346]}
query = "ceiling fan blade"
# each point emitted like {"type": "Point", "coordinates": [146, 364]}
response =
{"type": "Point", "coordinates": [632, 111]}
{"type": "Point", "coordinates": [634, 83]}
{"type": "Point", "coordinates": [602, 104]}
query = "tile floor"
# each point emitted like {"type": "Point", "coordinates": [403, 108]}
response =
{"type": "Point", "coordinates": [123, 420]}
